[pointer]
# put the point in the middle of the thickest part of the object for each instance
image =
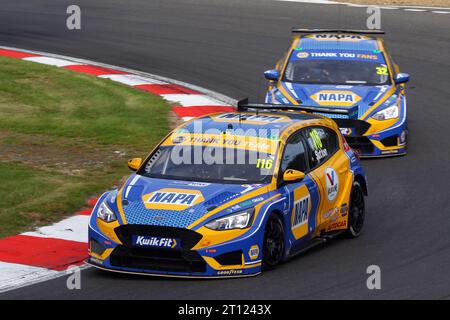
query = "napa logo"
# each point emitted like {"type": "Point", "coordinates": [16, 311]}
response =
{"type": "Point", "coordinates": [172, 199]}
{"type": "Point", "coordinates": [335, 98]}
{"type": "Point", "coordinates": [253, 253]}
{"type": "Point", "coordinates": [340, 37]}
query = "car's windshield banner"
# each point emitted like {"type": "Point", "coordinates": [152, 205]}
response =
{"type": "Point", "coordinates": [372, 56]}
{"type": "Point", "coordinates": [251, 143]}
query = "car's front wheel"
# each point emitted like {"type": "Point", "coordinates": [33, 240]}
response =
{"type": "Point", "coordinates": [273, 246]}
{"type": "Point", "coordinates": [357, 211]}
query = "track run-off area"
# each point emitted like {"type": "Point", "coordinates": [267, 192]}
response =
{"type": "Point", "coordinates": [224, 46]}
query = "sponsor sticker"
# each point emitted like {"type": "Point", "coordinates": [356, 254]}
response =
{"type": "Point", "coordinates": [319, 151]}
{"type": "Point", "coordinates": [337, 225]}
{"type": "Point", "coordinates": [340, 37]}
{"type": "Point", "coordinates": [344, 210]}
{"type": "Point", "coordinates": [302, 55]}
{"type": "Point", "coordinates": [336, 98]}
{"type": "Point", "coordinates": [301, 212]}
{"type": "Point", "coordinates": [172, 199]}
{"type": "Point", "coordinates": [250, 118]}
{"type": "Point", "coordinates": [155, 242]}
{"type": "Point", "coordinates": [332, 182]}
{"type": "Point", "coordinates": [346, 131]}
{"type": "Point", "coordinates": [331, 214]}
{"type": "Point", "coordinates": [253, 253]}
{"type": "Point", "coordinates": [230, 272]}
{"type": "Point", "coordinates": [97, 261]}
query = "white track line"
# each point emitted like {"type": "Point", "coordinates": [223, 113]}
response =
{"type": "Point", "coordinates": [52, 61]}
{"type": "Point", "coordinates": [384, 7]}
{"type": "Point", "coordinates": [131, 79]}
{"type": "Point", "coordinates": [18, 275]}
{"type": "Point", "coordinates": [414, 10]}
{"type": "Point", "coordinates": [15, 276]}
{"type": "Point", "coordinates": [188, 100]}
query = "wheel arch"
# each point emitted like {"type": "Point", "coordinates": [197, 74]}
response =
{"type": "Point", "coordinates": [362, 182]}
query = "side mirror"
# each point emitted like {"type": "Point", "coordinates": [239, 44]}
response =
{"type": "Point", "coordinates": [291, 175]}
{"type": "Point", "coordinates": [273, 74]}
{"type": "Point", "coordinates": [401, 78]}
{"type": "Point", "coordinates": [134, 163]}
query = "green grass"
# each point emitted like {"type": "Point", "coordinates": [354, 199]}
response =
{"type": "Point", "coordinates": [64, 137]}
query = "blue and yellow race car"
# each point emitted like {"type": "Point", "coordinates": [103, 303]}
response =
{"type": "Point", "coordinates": [346, 69]}
{"type": "Point", "coordinates": [231, 194]}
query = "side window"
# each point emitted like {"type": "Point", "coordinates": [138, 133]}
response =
{"type": "Point", "coordinates": [294, 156]}
{"type": "Point", "coordinates": [322, 142]}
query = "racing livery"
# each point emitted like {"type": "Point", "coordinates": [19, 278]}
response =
{"type": "Point", "coordinates": [287, 181]}
{"type": "Point", "coordinates": [346, 70]}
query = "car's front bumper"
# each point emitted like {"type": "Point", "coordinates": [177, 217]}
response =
{"type": "Point", "coordinates": [228, 259]}
{"type": "Point", "coordinates": [371, 141]}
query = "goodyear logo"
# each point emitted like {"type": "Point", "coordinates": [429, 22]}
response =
{"type": "Point", "coordinates": [335, 98]}
{"type": "Point", "coordinates": [172, 199]}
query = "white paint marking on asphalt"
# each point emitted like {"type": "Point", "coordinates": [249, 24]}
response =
{"type": "Point", "coordinates": [189, 100]}
{"type": "Point", "coordinates": [312, 1]}
{"type": "Point", "coordinates": [71, 229]}
{"type": "Point", "coordinates": [357, 5]}
{"type": "Point", "coordinates": [444, 12]}
{"type": "Point", "coordinates": [404, 7]}
{"type": "Point", "coordinates": [415, 10]}
{"type": "Point", "coordinates": [14, 275]}
{"type": "Point", "coordinates": [388, 8]}
{"type": "Point", "coordinates": [131, 79]}
{"type": "Point", "coordinates": [52, 61]}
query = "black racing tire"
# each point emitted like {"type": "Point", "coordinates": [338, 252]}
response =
{"type": "Point", "coordinates": [273, 245]}
{"type": "Point", "coordinates": [356, 212]}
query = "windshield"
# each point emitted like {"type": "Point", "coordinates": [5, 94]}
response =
{"type": "Point", "coordinates": [211, 164]}
{"type": "Point", "coordinates": [337, 72]}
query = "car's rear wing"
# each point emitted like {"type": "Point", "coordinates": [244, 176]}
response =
{"type": "Point", "coordinates": [338, 31]}
{"type": "Point", "coordinates": [244, 105]}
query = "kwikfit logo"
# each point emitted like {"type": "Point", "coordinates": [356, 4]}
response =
{"type": "Point", "coordinates": [154, 242]}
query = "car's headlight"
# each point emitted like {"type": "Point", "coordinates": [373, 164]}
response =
{"type": "Point", "coordinates": [105, 213]}
{"type": "Point", "coordinates": [387, 113]}
{"type": "Point", "coordinates": [240, 220]}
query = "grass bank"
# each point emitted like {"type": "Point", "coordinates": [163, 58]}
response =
{"type": "Point", "coordinates": [64, 137]}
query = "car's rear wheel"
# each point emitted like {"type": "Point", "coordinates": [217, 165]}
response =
{"type": "Point", "coordinates": [273, 246]}
{"type": "Point", "coordinates": [357, 211]}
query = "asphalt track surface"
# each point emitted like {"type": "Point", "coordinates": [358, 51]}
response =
{"type": "Point", "coordinates": [225, 46]}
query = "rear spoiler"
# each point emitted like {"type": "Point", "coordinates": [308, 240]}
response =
{"type": "Point", "coordinates": [338, 31]}
{"type": "Point", "coordinates": [244, 105]}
